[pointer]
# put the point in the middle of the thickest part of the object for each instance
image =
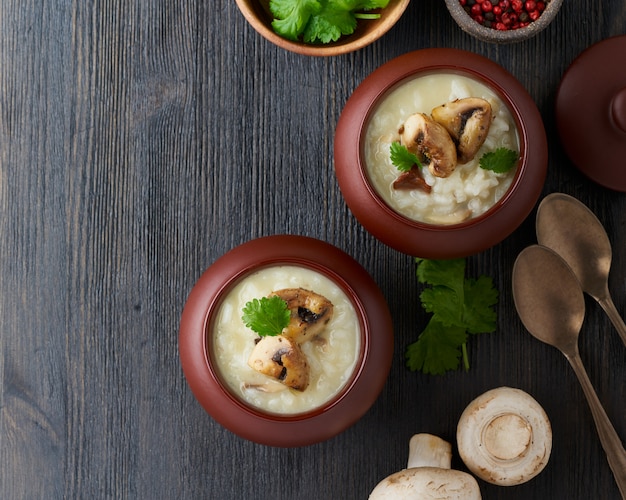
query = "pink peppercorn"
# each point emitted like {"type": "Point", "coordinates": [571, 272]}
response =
{"type": "Point", "coordinates": [504, 14]}
{"type": "Point", "coordinates": [517, 5]}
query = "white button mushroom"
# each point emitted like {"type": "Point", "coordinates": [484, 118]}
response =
{"type": "Point", "coordinates": [428, 475]}
{"type": "Point", "coordinates": [504, 437]}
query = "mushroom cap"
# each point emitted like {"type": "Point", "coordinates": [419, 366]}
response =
{"type": "Point", "coordinates": [467, 121]}
{"type": "Point", "coordinates": [427, 483]}
{"type": "Point", "coordinates": [310, 312]}
{"type": "Point", "coordinates": [428, 139]}
{"type": "Point", "coordinates": [504, 436]}
{"type": "Point", "coordinates": [281, 358]}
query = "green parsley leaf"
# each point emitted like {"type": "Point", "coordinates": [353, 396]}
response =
{"type": "Point", "coordinates": [402, 158]}
{"type": "Point", "coordinates": [329, 24]}
{"type": "Point", "coordinates": [437, 350]}
{"type": "Point", "coordinates": [500, 160]}
{"type": "Point", "coordinates": [292, 16]}
{"type": "Point", "coordinates": [435, 272]}
{"type": "Point", "coordinates": [320, 20]}
{"type": "Point", "coordinates": [459, 307]}
{"type": "Point", "coordinates": [266, 316]}
{"type": "Point", "coordinates": [478, 314]}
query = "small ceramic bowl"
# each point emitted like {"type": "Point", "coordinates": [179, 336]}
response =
{"type": "Point", "coordinates": [199, 340]}
{"type": "Point", "coordinates": [469, 25]}
{"type": "Point", "coordinates": [258, 14]}
{"type": "Point", "coordinates": [433, 240]}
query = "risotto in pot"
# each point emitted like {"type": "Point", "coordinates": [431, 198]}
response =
{"type": "Point", "coordinates": [421, 115]}
{"type": "Point", "coordinates": [305, 366]}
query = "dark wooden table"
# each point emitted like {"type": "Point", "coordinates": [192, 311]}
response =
{"type": "Point", "coordinates": [139, 141]}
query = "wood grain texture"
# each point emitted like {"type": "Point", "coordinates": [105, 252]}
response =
{"type": "Point", "coordinates": [139, 141]}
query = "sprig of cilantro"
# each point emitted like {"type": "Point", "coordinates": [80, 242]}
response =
{"type": "Point", "coordinates": [402, 158]}
{"type": "Point", "coordinates": [322, 21]}
{"type": "Point", "coordinates": [459, 306]}
{"type": "Point", "coordinates": [500, 160]}
{"type": "Point", "coordinates": [266, 316]}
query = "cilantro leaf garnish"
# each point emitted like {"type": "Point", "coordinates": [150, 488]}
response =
{"type": "Point", "coordinates": [437, 349]}
{"type": "Point", "coordinates": [292, 16]}
{"type": "Point", "coordinates": [402, 158]}
{"type": "Point", "coordinates": [266, 316]}
{"type": "Point", "coordinates": [500, 160]}
{"type": "Point", "coordinates": [320, 20]}
{"type": "Point", "coordinates": [329, 24]}
{"type": "Point", "coordinates": [459, 307]}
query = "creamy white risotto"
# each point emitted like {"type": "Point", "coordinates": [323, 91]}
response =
{"type": "Point", "coordinates": [332, 358]}
{"type": "Point", "coordinates": [470, 190]}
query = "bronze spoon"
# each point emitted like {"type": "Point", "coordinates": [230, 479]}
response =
{"type": "Point", "coordinates": [573, 231]}
{"type": "Point", "coordinates": [551, 305]}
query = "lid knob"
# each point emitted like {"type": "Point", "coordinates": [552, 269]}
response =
{"type": "Point", "coordinates": [618, 109]}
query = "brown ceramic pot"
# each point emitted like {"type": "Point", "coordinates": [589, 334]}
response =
{"type": "Point", "coordinates": [323, 422]}
{"type": "Point", "coordinates": [427, 240]}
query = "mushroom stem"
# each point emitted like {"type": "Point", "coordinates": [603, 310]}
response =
{"type": "Point", "coordinates": [426, 450]}
{"type": "Point", "coordinates": [428, 475]}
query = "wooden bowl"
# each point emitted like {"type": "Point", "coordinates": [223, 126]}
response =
{"type": "Point", "coordinates": [258, 14]}
{"type": "Point", "coordinates": [200, 366]}
{"type": "Point", "coordinates": [427, 240]}
{"type": "Point", "coordinates": [469, 25]}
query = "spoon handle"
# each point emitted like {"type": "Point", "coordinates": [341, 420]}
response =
{"type": "Point", "coordinates": [609, 308]}
{"type": "Point", "coordinates": [611, 442]}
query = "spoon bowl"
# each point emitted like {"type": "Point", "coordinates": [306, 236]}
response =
{"type": "Point", "coordinates": [548, 298]}
{"type": "Point", "coordinates": [568, 227]}
{"type": "Point", "coordinates": [550, 302]}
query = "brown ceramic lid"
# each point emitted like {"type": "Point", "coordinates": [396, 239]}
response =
{"type": "Point", "coordinates": [428, 240]}
{"type": "Point", "coordinates": [591, 112]}
{"type": "Point", "coordinates": [370, 373]}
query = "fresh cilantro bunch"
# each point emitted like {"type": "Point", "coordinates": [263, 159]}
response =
{"type": "Point", "coordinates": [322, 21]}
{"type": "Point", "coordinates": [459, 307]}
{"type": "Point", "coordinates": [266, 316]}
{"type": "Point", "coordinates": [499, 161]}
